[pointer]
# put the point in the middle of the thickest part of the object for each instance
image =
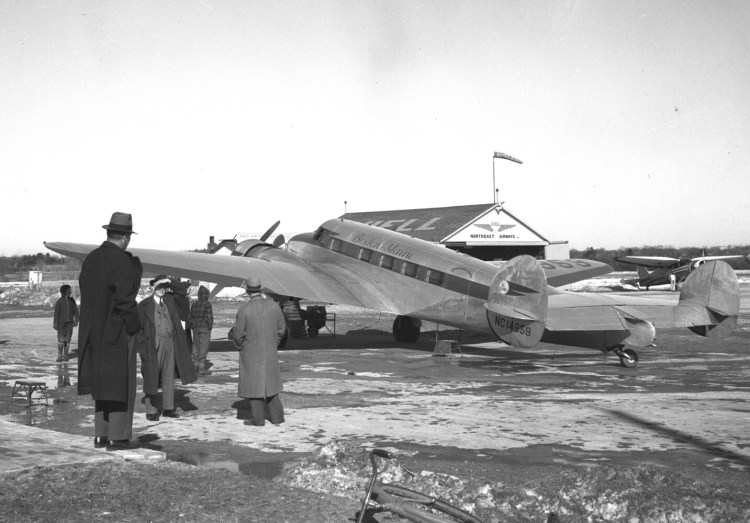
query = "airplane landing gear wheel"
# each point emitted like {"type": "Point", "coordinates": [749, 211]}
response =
{"type": "Point", "coordinates": [628, 357]}
{"type": "Point", "coordinates": [406, 329]}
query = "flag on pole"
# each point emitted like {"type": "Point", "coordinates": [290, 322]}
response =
{"type": "Point", "coordinates": [504, 156]}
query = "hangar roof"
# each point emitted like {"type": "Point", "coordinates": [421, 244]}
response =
{"type": "Point", "coordinates": [464, 224]}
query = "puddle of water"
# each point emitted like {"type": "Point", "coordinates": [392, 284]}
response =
{"type": "Point", "coordinates": [258, 469]}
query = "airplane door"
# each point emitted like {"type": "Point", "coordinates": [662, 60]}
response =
{"type": "Point", "coordinates": [455, 295]}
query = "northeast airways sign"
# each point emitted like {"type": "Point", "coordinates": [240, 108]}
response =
{"type": "Point", "coordinates": [496, 228]}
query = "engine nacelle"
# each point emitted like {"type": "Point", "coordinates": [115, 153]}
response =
{"type": "Point", "coordinates": [251, 248]}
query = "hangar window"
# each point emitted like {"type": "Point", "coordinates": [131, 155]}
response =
{"type": "Point", "coordinates": [365, 255]}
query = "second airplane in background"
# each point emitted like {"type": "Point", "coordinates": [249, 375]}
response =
{"type": "Point", "coordinates": [662, 270]}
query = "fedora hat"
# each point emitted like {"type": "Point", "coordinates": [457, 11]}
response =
{"type": "Point", "coordinates": [120, 222]}
{"type": "Point", "coordinates": [252, 284]}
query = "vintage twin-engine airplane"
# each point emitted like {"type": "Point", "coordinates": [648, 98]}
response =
{"type": "Point", "coordinates": [665, 270]}
{"type": "Point", "coordinates": [350, 263]}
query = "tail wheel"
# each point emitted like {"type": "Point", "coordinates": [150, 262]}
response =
{"type": "Point", "coordinates": [628, 358]}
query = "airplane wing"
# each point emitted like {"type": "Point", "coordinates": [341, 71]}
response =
{"type": "Point", "coordinates": [565, 272]}
{"type": "Point", "coordinates": [713, 258]}
{"type": "Point", "coordinates": [280, 277]}
{"type": "Point", "coordinates": [649, 261]}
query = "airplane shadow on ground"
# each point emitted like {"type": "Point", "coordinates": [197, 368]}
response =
{"type": "Point", "coordinates": [683, 437]}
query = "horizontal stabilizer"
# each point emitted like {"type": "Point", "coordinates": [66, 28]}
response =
{"type": "Point", "coordinates": [517, 302]}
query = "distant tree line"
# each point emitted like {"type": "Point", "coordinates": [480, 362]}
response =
{"type": "Point", "coordinates": [18, 267]}
{"type": "Point", "coordinates": [608, 255]}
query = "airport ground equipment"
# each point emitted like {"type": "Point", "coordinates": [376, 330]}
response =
{"type": "Point", "coordinates": [410, 504]}
{"type": "Point", "coordinates": [25, 388]}
{"type": "Point", "coordinates": [316, 317]}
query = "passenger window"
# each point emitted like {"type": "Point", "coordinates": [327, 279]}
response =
{"type": "Point", "coordinates": [387, 261]}
{"type": "Point", "coordinates": [409, 269]}
{"type": "Point", "coordinates": [351, 250]}
{"type": "Point", "coordinates": [365, 255]}
{"type": "Point", "coordinates": [435, 277]}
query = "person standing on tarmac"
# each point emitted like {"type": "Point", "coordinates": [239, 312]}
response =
{"type": "Point", "coordinates": [163, 347]}
{"type": "Point", "coordinates": [66, 317]}
{"type": "Point", "coordinates": [109, 282]}
{"type": "Point", "coordinates": [202, 322]}
{"type": "Point", "coordinates": [258, 328]}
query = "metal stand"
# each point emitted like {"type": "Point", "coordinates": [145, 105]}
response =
{"type": "Point", "coordinates": [25, 388]}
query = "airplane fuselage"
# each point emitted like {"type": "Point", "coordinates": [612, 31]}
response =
{"type": "Point", "coordinates": [393, 272]}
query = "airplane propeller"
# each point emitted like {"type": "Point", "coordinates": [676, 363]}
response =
{"type": "Point", "coordinates": [269, 232]}
{"type": "Point", "coordinates": [277, 242]}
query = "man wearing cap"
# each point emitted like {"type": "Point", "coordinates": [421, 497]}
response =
{"type": "Point", "coordinates": [258, 328]}
{"type": "Point", "coordinates": [109, 282]}
{"type": "Point", "coordinates": [163, 347]}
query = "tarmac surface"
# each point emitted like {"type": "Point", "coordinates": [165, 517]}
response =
{"type": "Point", "coordinates": [685, 405]}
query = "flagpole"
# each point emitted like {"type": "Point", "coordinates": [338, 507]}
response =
{"type": "Point", "coordinates": [502, 156]}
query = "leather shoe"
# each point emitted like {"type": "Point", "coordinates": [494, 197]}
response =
{"type": "Point", "coordinates": [152, 417]}
{"type": "Point", "coordinates": [100, 442]}
{"type": "Point", "coordinates": [123, 444]}
{"type": "Point", "coordinates": [170, 414]}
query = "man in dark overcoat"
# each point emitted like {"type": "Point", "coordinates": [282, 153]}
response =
{"type": "Point", "coordinates": [163, 346]}
{"type": "Point", "coordinates": [258, 328]}
{"type": "Point", "coordinates": [109, 282]}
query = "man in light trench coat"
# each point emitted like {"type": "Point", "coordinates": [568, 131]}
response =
{"type": "Point", "coordinates": [258, 328]}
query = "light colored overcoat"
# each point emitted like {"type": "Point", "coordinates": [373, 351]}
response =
{"type": "Point", "coordinates": [257, 330]}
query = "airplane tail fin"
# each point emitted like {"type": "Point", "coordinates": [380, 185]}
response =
{"type": "Point", "coordinates": [715, 287]}
{"type": "Point", "coordinates": [642, 272]}
{"type": "Point", "coordinates": [517, 302]}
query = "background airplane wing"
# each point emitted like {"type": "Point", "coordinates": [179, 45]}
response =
{"type": "Point", "coordinates": [649, 261]}
{"type": "Point", "coordinates": [711, 258]}
{"type": "Point", "coordinates": [283, 278]}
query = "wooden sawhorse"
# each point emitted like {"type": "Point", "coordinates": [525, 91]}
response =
{"type": "Point", "coordinates": [25, 388]}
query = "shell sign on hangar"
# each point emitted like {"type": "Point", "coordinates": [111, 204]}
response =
{"type": "Point", "coordinates": [486, 231]}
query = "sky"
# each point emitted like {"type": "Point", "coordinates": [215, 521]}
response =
{"type": "Point", "coordinates": [209, 118]}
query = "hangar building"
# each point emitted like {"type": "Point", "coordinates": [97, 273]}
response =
{"type": "Point", "coordinates": [485, 231]}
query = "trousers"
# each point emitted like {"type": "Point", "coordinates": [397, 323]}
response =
{"type": "Point", "coordinates": [114, 419]}
{"type": "Point", "coordinates": [165, 359]}
{"type": "Point", "coordinates": [266, 408]}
